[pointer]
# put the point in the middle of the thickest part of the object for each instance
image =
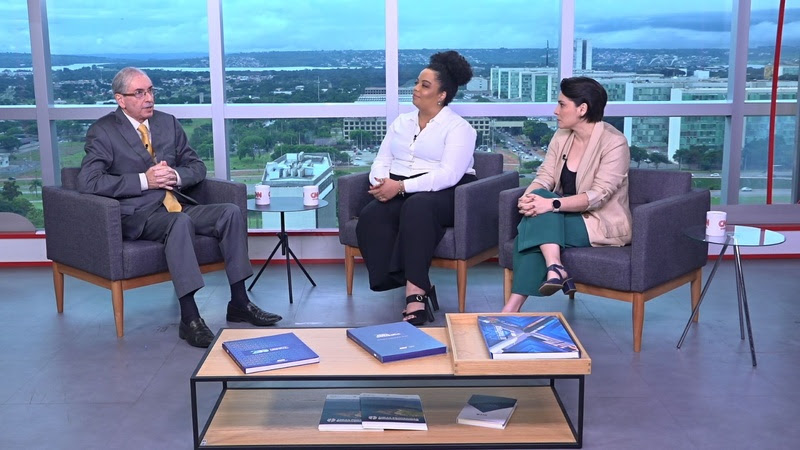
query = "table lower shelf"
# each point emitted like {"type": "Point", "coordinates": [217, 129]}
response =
{"type": "Point", "coordinates": [289, 417]}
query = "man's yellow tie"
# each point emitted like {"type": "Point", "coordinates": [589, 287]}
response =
{"type": "Point", "coordinates": [170, 202]}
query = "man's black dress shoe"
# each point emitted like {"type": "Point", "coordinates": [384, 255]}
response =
{"type": "Point", "coordinates": [251, 314]}
{"type": "Point", "coordinates": [196, 333]}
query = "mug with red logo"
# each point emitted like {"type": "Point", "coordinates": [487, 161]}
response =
{"type": "Point", "coordinates": [716, 221]}
{"type": "Point", "coordinates": [262, 194]}
{"type": "Point", "coordinates": [310, 195]}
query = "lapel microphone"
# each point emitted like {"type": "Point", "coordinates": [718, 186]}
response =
{"type": "Point", "coordinates": [564, 156]}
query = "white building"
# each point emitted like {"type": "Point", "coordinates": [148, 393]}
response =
{"type": "Point", "coordinates": [286, 177]}
{"type": "Point", "coordinates": [582, 54]}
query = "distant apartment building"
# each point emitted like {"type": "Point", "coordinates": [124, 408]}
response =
{"type": "Point", "coordinates": [534, 85]}
{"type": "Point", "coordinates": [582, 54]}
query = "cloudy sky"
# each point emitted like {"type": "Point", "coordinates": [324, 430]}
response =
{"type": "Point", "coordinates": [177, 26]}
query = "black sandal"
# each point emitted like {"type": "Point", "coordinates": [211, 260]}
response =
{"type": "Point", "coordinates": [562, 282]}
{"type": "Point", "coordinates": [420, 316]}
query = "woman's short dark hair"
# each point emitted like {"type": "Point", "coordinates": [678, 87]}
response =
{"type": "Point", "coordinates": [586, 90]}
{"type": "Point", "coordinates": [452, 71]}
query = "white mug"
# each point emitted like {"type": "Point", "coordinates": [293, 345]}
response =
{"type": "Point", "coordinates": [310, 195]}
{"type": "Point", "coordinates": [262, 194]}
{"type": "Point", "coordinates": [716, 221]}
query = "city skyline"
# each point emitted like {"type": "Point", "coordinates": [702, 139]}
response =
{"type": "Point", "coordinates": [89, 27]}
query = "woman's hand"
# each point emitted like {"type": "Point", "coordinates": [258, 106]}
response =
{"type": "Point", "coordinates": [532, 205]}
{"type": "Point", "coordinates": [385, 189]}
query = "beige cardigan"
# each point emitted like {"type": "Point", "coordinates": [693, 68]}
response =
{"type": "Point", "coordinates": [602, 175]}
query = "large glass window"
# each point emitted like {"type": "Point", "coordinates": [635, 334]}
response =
{"type": "Point", "coordinates": [671, 44]}
{"type": "Point", "coordinates": [20, 170]}
{"type": "Point", "coordinates": [16, 65]}
{"type": "Point", "coordinates": [761, 55]}
{"type": "Point", "coordinates": [288, 154]}
{"type": "Point", "coordinates": [333, 55]}
{"type": "Point", "coordinates": [753, 184]}
{"type": "Point", "coordinates": [90, 40]}
{"type": "Point", "coordinates": [511, 45]}
{"type": "Point", "coordinates": [71, 135]}
{"type": "Point", "coordinates": [303, 52]}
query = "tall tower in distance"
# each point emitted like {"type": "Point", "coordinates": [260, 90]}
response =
{"type": "Point", "coordinates": [582, 54]}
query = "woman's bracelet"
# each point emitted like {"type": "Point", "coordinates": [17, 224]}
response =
{"type": "Point", "coordinates": [402, 190]}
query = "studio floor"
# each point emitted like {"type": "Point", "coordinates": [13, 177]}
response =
{"type": "Point", "coordinates": [67, 382]}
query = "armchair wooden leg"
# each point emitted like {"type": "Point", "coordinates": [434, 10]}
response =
{"type": "Point", "coordinates": [461, 279]}
{"type": "Point", "coordinates": [638, 320]}
{"type": "Point", "coordinates": [349, 267]}
{"type": "Point", "coordinates": [508, 279]}
{"type": "Point", "coordinates": [58, 285]}
{"type": "Point", "coordinates": [696, 287]}
{"type": "Point", "coordinates": [117, 305]}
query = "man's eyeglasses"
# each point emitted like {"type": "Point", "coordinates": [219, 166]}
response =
{"type": "Point", "coordinates": [140, 93]}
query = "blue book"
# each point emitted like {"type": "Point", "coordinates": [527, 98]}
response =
{"type": "Point", "coordinates": [527, 337]}
{"type": "Point", "coordinates": [396, 341]}
{"type": "Point", "coordinates": [270, 352]}
{"type": "Point", "coordinates": [392, 412]}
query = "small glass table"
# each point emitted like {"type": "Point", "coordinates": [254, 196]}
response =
{"type": "Point", "coordinates": [284, 205]}
{"type": "Point", "coordinates": [736, 236]}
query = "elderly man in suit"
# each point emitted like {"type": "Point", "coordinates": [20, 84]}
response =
{"type": "Point", "coordinates": [142, 158]}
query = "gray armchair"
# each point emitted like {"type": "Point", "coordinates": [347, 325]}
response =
{"type": "Point", "coordinates": [84, 240]}
{"type": "Point", "coordinates": [472, 240]}
{"type": "Point", "coordinates": [659, 259]}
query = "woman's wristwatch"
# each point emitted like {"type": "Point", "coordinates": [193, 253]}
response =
{"type": "Point", "coordinates": [556, 205]}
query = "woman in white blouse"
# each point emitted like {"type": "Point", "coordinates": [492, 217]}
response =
{"type": "Point", "coordinates": [424, 156]}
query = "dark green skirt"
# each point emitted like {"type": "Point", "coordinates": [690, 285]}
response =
{"type": "Point", "coordinates": [565, 229]}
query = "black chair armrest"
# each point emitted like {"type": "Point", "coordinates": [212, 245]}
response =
{"type": "Point", "coordinates": [352, 195]}
{"type": "Point", "coordinates": [476, 213]}
{"type": "Point", "coordinates": [83, 231]}
{"type": "Point", "coordinates": [660, 251]}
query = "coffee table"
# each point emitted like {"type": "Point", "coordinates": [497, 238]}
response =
{"type": "Point", "coordinates": [284, 205]}
{"type": "Point", "coordinates": [281, 408]}
{"type": "Point", "coordinates": [735, 236]}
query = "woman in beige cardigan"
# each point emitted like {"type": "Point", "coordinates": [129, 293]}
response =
{"type": "Point", "coordinates": [579, 197]}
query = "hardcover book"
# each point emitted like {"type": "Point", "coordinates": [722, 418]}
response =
{"type": "Point", "coordinates": [392, 412]}
{"type": "Point", "coordinates": [270, 352]}
{"type": "Point", "coordinates": [487, 411]}
{"type": "Point", "coordinates": [341, 412]}
{"type": "Point", "coordinates": [527, 337]}
{"type": "Point", "coordinates": [396, 341]}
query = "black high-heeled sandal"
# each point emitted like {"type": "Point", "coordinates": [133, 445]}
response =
{"type": "Point", "coordinates": [420, 316]}
{"type": "Point", "coordinates": [559, 283]}
{"type": "Point", "coordinates": [434, 300]}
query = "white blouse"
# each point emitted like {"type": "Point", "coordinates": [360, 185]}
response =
{"type": "Point", "coordinates": [442, 151]}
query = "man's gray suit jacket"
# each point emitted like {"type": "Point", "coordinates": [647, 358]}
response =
{"type": "Point", "coordinates": [115, 156]}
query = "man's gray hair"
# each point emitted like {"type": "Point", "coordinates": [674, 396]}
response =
{"type": "Point", "coordinates": [123, 78]}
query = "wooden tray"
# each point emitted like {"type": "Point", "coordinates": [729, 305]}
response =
{"type": "Point", "coordinates": [471, 357]}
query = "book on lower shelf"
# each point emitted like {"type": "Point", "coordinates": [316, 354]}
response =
{"type": "Point", "coordinates": [489, 411]}
{"type": "Point", "coordinates": [270, 352]}
{"type": "Point", "coordinates": [341, 412]}
{"type": "Point", "coordinates": [527, 337]}
{"type": "Point", "coordinates": [392, 412]}
{"type": "Point", "coordinates": [396, 341]}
